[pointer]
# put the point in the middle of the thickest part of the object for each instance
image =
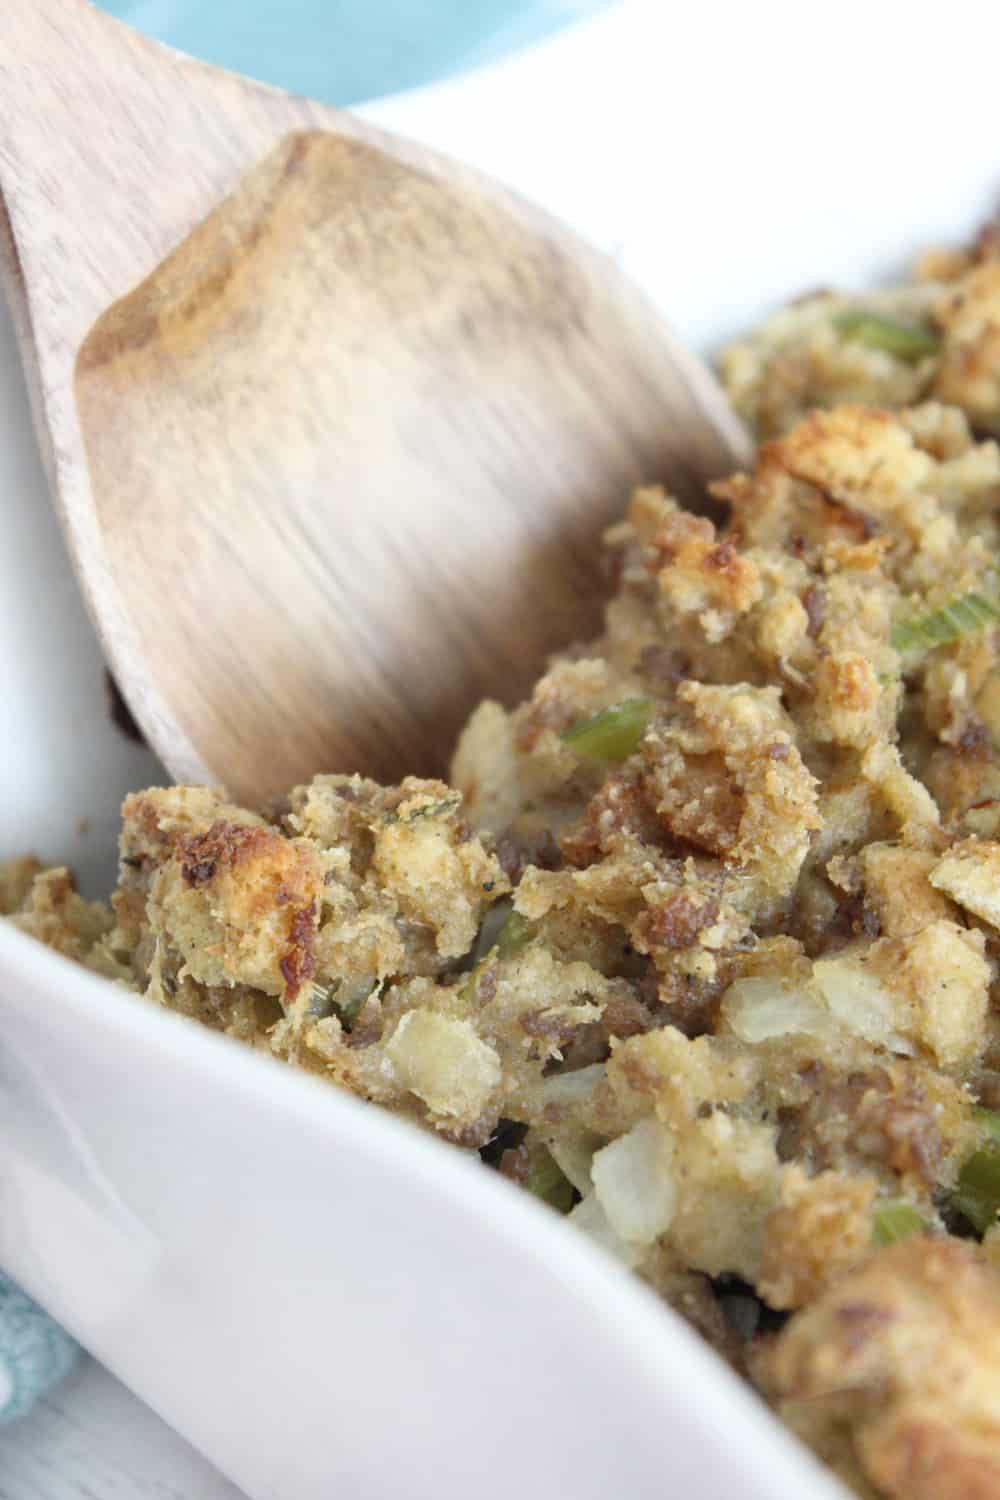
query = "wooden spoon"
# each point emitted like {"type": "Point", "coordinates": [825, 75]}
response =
{"type": "Point", "coordinates": [333, 423]}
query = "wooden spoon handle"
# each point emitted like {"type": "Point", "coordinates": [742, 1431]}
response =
{"type": "Point", "coordinates": [112, 148]}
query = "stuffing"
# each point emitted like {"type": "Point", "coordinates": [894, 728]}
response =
{"type": "Point", "coordinates": [699, 943]}
{"type": "Point", "coordinates": [894, 1370]}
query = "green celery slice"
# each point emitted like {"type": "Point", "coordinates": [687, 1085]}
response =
{"type": "Point", "coordinates": [611, 734]}
{"type": "Point", "coordinates": [548, 1182]}
{"type": "Point", "coordinates": [977, 1192]}
{"type": "Point", "coordinates": [515, 934]}
{"type": "Point", "coordinates": [894, 1221]}
{"type": "Point", "coordinates": [904, 340]}
{"type": "Point", "coordinates": [950, 622]}
{"type": "Point", "coordinates": [988, 1121]}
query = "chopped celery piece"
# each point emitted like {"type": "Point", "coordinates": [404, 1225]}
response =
{"type": "Point", "coordinates": [350, 1011]}
{"type": "Point", "coordinates": [321, 1002]}
{"type": "Point", "coordinates": [988, 1121]}
{"type": "Point", "coordinates": [469, 987]}
{"type": "Point", "coordinates": [433, 808]}
{"type": "Point", "coordinates": [492, 925]}
{"type": "Point", "coordinates": [351, 998]}
{"type": "Point", "coordinates": [548, 1182]}
{"type": "Point", "coordinates": [515, 934]}
{"type": "Point", "coordinates": [977, 1192]}
{"type": "Point", "coordinates": [503, 932]}
{"type": "Point", "coordinates": [896, 1221]}
{"type": "Point", "coordinates": [904, 340]}
{"type": "Point", "coordinates": [611, 734]}
{"type": "Point", "coordinates": [962, 616]}
{"type": "Point", "coordinates": [344, 998]}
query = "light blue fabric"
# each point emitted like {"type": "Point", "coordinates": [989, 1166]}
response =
{"type": "Point", "coordinates": [34, 1352]}
{"type": "Point", "coordinates": [343, 51]}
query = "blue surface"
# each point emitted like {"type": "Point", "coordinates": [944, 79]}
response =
{"type": "Point", "coordinates": [343, 51]}
{"type": "Point", "coordinates": [34, 1353]}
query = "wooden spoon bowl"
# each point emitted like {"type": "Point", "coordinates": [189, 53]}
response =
{"type": "Point", "coordinates": [333, 423]}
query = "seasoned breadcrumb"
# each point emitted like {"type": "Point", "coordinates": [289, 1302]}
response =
{"type": "Point", "coordinates": [895, 1370]}
{"type": "Point", "coordinates": [702, 940]}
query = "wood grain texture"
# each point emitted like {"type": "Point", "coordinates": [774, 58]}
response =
{"type": "Point", "coordinates": [333, 423]}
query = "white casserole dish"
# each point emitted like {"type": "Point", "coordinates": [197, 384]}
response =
{"type": "Point", "coordinates": [321, 1299]}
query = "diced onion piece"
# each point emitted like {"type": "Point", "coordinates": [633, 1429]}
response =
{"type": "Point", "coordinates": [589, 1216]}
{"type": "Point", "coordinates": [856, 998]}
{"type": "Point", "coordinates": [443, 1061]}
{"type": "Point", "coordinates": [758, 1008]}
{"type": "Point", "coordinates": [635, 1182]}
{"type": "Point", "coordinates": [574, 1155]}
{"type": "Point", "coordinates": [566, 1089]}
